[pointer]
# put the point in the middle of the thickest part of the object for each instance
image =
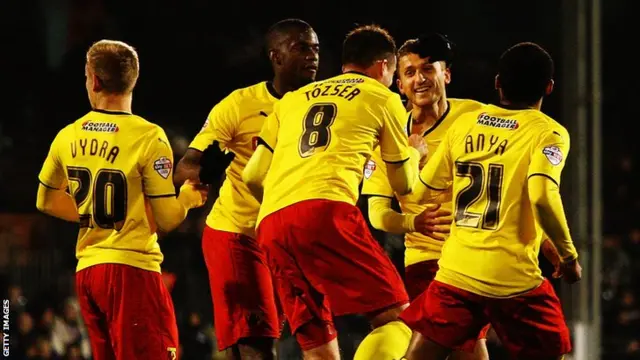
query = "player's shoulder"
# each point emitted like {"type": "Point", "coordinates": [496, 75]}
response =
{"type": "Point", "coordinates": [465, 105]}
{"type": "Point", "coordinates": [259, 92]}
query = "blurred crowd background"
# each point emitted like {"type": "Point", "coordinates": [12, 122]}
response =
{"type": "Point", "coordinates": [195, 52]}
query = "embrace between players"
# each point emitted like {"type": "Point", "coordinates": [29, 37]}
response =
{"type": "Point", "coordinates": [285, 237]}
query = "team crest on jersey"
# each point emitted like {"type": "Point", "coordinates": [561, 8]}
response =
{"type": "Point", "coordinates": [553, 154]}
{"type": "Point", "coordinates": [497, 122]}
{"type": "Point", "coordinates": [369, 168]}
{"type": "Point", "coordinates": [163, 166]}
{"type": "Point", "coordinates": [99, 126]}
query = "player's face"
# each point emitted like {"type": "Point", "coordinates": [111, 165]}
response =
{"type": "Point", "coordinates": [300, 53]}
{"type": "Point", "coordinates": [421, 81]}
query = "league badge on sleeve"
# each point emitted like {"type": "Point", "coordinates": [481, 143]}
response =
{"type": "Point", "coordinates": [369, 168]}
{"type": "Point", "coordinates": [553, 154]}
{"type": "Point", "coordinates": [163, 166]}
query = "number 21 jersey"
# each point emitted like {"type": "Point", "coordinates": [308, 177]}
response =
{"type": "Point", "coordinates": [488, 155]}
{"type": "Point", "coordinates": [321, 136]}
{"type": "Point", "coordinates": [111, 163]}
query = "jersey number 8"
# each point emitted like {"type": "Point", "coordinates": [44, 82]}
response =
{"type": "Point", "coordinates": [316, 134]}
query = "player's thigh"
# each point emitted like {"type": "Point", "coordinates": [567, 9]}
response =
{"type": "Point", "coordinates": [241, 287]}
{"type": "Point", "coordinates": [306, 308]}
{"type": "Point", "coordinates": [532, 325]}
{"type": "Point", "coordinates": [143, 323]}
{"type": "Point", "coordinates": [94, 318]}
{"type": "Point", "coordinates": [446, 315]}
{"type": "Point", "coordinates": [339, 255]}
{"type": "Point", "coordinates": [418, 276]}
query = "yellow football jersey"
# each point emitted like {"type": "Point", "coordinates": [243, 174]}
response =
{"type": "Point", "coordinates": [418, 247]}
{"type": "Point", "coordinates": [236, 122]}
{"type": "Point", "coordinates": [112, 162]}
{"type": "Point", "coordinates": [322, 135]}
{"type": "Point", "coordinates": [487, 157]}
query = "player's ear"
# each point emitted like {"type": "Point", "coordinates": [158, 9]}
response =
{"type": "Point", "coordinates": [97, 84]}
{"type": "Point", "coordinates": [549, 88]}
{"type": "Point", "coordinates": [447, 74]}
{"type": "Point", "coordinates": [399, 84]}
{"type": "Point", "coordinates": [275, 57]}
{"type": "Point", "coordinates": [496, 82]}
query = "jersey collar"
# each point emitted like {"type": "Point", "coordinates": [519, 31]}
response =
{"type": "Point", "coordinates": [272, 90]}
{"type": "Point", "coordinates": [439, 121]}
{"type": "Point", "coordinates": [110, 112]}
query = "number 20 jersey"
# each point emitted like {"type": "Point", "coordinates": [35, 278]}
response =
{"type": "Point", "coordinates": [322, 135]}
{"type": "Point", "coordinates": [112, 162]}
{"type": "Point", "coordinates": [488, 156]}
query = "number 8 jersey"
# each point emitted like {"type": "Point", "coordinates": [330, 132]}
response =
{"type": "Point", "coordinates": [322, 135]}
{"type": "Point", "coordinates": [111, 162]}
{"type": "Point", "coordinates": [487, 156]}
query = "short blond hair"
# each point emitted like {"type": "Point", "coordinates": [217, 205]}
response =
{"type": "Point", "coordinates": [115, 64]}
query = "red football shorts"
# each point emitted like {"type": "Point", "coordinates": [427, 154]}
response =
{"type": "Point", "coordinates": [418, 277]}
{"type": "Point", "coordinates": [325, 261]}
{"type": "Point", "coordinates": [241, 287]}
{"type": "Point", "coordinates": [530, 326]}
{"type": "Point", "coordinates": [128, 313]}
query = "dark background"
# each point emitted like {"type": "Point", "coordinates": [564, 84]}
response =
{"type": "Point", "coordinates": [195, 52]}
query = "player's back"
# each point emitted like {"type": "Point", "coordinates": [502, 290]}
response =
{"type": "Point", "coordinates": [105, 155]}
{"type": "Point", "coordinates": [327, 131]}
{"type": "Point", "coordinates": [494, 243]}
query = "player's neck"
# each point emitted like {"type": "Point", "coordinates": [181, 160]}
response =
{"type": "Point", "coordinates": [283, 86]}
{"type": "Point", "coordinates": [520, 106]}
{"type": "Point", "coordinates": [114, 103]}
{"type": "Point", "coordinates": [427, 116]}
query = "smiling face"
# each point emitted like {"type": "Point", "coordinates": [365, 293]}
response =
{"type": "Point", "coordinates": [424, 83]}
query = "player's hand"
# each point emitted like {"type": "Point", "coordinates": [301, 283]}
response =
{"type": "Point", "coordinates": [194, 194]}
{"type": "Point", "coordinates": [571, 271]}
{"type": "Point", "coordinates": [551, 253]}
{"type": "Point", "coordinates": [434, 222]}
{"type": "Point", "coordinates": [213, 163]}
{"type": "Point", "coordinates": [417, 142]}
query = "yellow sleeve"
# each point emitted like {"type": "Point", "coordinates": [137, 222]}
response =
{"type": "Point", "coordinates": [256, 170]}
{"type": "Point", "coordinates": [269, 133]}
{"type": "Point", "coordinates": [394, 146]}
{"type": "Point", "coordinates": [549, 154]}
{"type": "Point", "coordinates": [549, 213]}
{"type": "Point", "coordinates": [52, 174]}
{"type": "Point", "coordinates": [375, 177]}
{"type": "Point", "coordinates": [437, 174]}
{"type": "Point", "coordinates": [157, 167]}
{"type": "Point", "coordinates": [383, 217]}
{"type": "Point", "coordinates": [220, 125]}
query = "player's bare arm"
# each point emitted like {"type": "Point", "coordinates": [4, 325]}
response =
{"type": "Point", "coordinates": [58, 203]}
{"type": "Point", "coordinates": [188, 167]}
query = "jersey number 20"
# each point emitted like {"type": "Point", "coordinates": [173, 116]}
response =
{"type": "Point", "coordinates": [491, 182]}
{"type": "Point", "coordinates": [316, 134]}
{"type": "Point", "coordinates": [108, 194]}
